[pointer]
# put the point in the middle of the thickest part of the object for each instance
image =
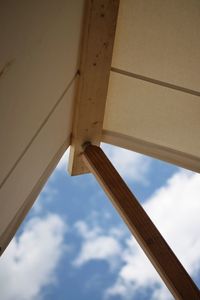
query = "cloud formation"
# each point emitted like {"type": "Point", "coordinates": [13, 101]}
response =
{"type": "Point", "coordinates": [174, 208]}
{"type": "Point", "coordinates": [30, 261]}
{"type": "Point", "coordinates": [97, 245]}
{"type": "Point", "coordinates": [129, 164]}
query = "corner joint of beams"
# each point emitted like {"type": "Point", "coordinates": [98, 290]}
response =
{"type": "Point", "coordinates": [95, 63]}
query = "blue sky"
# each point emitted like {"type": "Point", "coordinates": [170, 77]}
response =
{"type": "Point", "coordinates": [73, 244]}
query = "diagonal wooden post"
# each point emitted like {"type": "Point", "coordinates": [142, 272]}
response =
{"type": "Point", "coordinates": [164, 260]}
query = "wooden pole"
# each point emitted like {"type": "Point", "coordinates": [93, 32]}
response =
{"type": "Point", "coordinates": [153, 244]}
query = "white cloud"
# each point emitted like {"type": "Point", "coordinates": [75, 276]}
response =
{"type": "Point", "coordinates": [47, 195]}
{"type": "Point", "coordinates": [97, 245]}
{"type": "Point", "coordinates": [174, 209]}
{"type": "Point", "coordinates": [177, 216]}
{"type": "Point", "coordinates": [129, 164]}
{"type": "Point", "coordinates": [30, 260]}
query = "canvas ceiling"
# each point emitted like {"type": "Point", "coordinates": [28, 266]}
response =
{"type": "Point", "coordinates": [153, 102]}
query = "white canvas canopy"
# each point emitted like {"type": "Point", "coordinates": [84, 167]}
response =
{"type": "Point", "coordinates": [62, 83]}
{"type": "Point", "coordinates": [40, 44]}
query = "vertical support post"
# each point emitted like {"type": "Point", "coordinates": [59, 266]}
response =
{"type": "Point", "coordinates": [153, 244]}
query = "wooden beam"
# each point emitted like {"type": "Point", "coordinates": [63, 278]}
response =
{"type": "Point", "coordinates": [164, 260]}
{"type": "Point", "coordinates": [96, 55]}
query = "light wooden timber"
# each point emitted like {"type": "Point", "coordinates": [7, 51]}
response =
{"type": "Point", "coordinates": [164, 260]}
{"type": "Point", "coordinates": [96, 54]}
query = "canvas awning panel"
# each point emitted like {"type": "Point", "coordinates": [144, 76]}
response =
{"type": "Point", "coordinates": [39, 61]}
{"type": "Point", "coordinates": [153, 103]}
{"type": "Point", "coordinates": [153, 120]}
{"type": "Point", "coordinates": [159, 40]}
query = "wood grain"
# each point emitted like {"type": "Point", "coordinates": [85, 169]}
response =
{"type": "Point", "coordinates": [96, 55]}
{"type": "Point", "coordinates": [153, 244]}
